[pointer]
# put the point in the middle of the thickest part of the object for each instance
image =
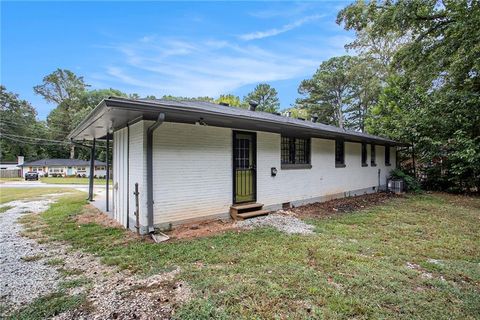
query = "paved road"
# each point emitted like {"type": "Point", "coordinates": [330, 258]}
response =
{"type": "Point", "coordinates": [39, 184]}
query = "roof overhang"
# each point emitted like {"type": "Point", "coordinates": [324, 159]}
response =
{"type": "Point", "coordinates": [115, 113]}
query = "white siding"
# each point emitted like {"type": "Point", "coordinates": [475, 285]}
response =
{"type": "Point", "coordinates": [322, 179]}
{"type": "Point", "coordinates": [192, 172]}
{"type": "Point", "coordinates": [138, 171]}
{"type": "Point", "coordinates": [120, 175]}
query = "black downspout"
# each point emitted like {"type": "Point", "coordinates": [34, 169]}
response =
{"type": "Point", "coordinates": [92, 164]}
{"type": "Point", "coordinates": [128, 176]}
{"type": "Point", "coordinates": [150, 130]}
{"type": "Point", "coordinates": [107, 175]}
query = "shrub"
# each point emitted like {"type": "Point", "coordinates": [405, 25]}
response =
{"type": "Point", "coordinates": [411, 184]}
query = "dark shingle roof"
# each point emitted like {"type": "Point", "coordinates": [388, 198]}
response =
{"type": "Point", "coordinates": [115, 113]}
{"type": "Point", "coordinates": [61, 162]}
{"type": "Point", "coordinates": [260, 115]}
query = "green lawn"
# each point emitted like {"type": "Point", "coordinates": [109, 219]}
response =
{"type": "Point", "coordinates": [72, 180]}
{"type": "Point", "coordinates": [11, 194]}
{"type": "Point", "coordinates": [355, 266]}
{"type": "Point", "coordinates": [3, 180]}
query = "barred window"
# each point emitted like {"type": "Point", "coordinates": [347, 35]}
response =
{"type": "Point", "coordinates": [387, 155]}
{"type": "Point", "coordinates": [295, 150]}
{"type": "Point", "coordinates": [373, 163]}
{"type": "Point", "coordinates": [242, 153]}
{"type": "Point", "coordinates": [339, 153]}
{"type": "Point", "coordinates": [364, 155]}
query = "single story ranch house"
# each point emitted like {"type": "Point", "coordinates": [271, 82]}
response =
{"type": "Point", "coordinates": [177, 162]}
{"type": "Point", "coordinates": [64, 167]}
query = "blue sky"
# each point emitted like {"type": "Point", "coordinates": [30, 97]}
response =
{"type": "Point", "coordinates": [177, 48]}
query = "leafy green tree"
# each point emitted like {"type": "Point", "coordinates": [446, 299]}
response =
{"type": "Point", "coordinates": [65, 89]}
{"type": "Point", "coordinates": [330, 91]}
{"type": "Point", "coordinates": [296, 112]}
{"type": "Point", "coordinates": [230, 99]}
{"type": "Point", "coordinates": [265, 96]}
{"type": "Point", "coordinates": [366, 87]}
{"type": "Point", "coordinates": [17, 120]}
{"type": "Point", "coordinates": [432, 94]}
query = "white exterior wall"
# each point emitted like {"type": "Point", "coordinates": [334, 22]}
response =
{"type": "Point", "coordinates": [120, 176]}
{"type": "Point", "coordinates": [192, 172]}
{"type": "Point", "coordinates": [138, 171]}
{"type": "Point", "coordinates": [323, 179]}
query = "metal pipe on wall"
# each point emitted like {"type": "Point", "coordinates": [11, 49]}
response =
{"type": "Point", "coordinates": [92, 172]}
{"type": "Point", "coordinates": [107, 176]}
{"type": "Point", "coordinates": [150, 130]}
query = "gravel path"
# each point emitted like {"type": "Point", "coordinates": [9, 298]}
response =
{"type": "Point", "coordinates": [23, 275]}
{"type": "Point", "coordinates": [111, 293]}
{"type": "Point", "coordinates": [282, 222]}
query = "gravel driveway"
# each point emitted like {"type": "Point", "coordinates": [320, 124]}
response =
{"type": "Point", "coordinates": [25, 274]}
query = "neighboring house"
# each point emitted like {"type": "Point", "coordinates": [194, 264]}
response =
{"type": "Point", "coordinates": [65, 167]}
{"type": "Point", "coordinates": [198, 160]}
{"type": "Point", "coordinates": [11, 169]}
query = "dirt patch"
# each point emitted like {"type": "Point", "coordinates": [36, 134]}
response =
{"type": "Point", "coordinates": [318, 209]}
{"type": "Point", "coordinates": [332, 207]}
{"type": "Point", "coordinates": [201, 229]}
{"type": "Point", "coordinates": [90, 214]}
{"type": "Point", "coordinates": [116, 294]}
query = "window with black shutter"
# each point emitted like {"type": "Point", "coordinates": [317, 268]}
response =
{"type": "Point", "coordinates": [364, 155]}
{"type": "Point", "coordinates": [373, 163]}
{"type": "Point", "coordinates": [387, 155]}
{"type": "Point", "coordinates": [295, 153]}
{"type": "Point", "coordinates": [339, 153]}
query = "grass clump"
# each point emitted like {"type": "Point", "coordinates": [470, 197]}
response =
{"type": "Point", "coordinates": [75, 283]}
{"type": "Point", "coordinates": [55, 262]}
{"type": "Point", "coordinates": [5, 208]}
{"type": "Point", "coordinates": [48, 306]}
{"type": "Point", "coordinates": [35, 257]}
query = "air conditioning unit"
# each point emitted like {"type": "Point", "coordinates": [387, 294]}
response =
{"type": "Point", "coordinates": [396, 185]}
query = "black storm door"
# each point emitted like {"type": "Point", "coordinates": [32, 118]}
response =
{"type": "Point", "coordinates": [244, 167]}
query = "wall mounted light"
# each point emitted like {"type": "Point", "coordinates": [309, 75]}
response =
{"type": "Point", "coordinates": [273, 171]}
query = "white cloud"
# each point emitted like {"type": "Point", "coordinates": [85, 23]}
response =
{"type": "Point", "coordinates": [198, 68]}
{"type": "Point", "coordinates": [160, 66]}
{"type": "Point", "coordinates": [276, 31]}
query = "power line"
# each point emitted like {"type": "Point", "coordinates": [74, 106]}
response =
{"type": "Point", "coordinates": [33, 143]}
{"type": "Point", "coordinates": [22, 124]}
{"type": "Point", "coordinates": [39, 140]}
{"type": "Point", "coordinates": [33, 138]}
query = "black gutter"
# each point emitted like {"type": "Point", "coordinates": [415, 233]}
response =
{"type": "Point", "coordinates": [150, 130]}
{"type": "Point", "coordinates": [107, 175]}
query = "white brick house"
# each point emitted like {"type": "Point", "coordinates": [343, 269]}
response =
{"type": "Point", "coordinates": [197, 160]}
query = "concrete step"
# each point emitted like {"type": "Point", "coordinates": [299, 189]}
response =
{"type": "Point", "coordinates": [252, 214]}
